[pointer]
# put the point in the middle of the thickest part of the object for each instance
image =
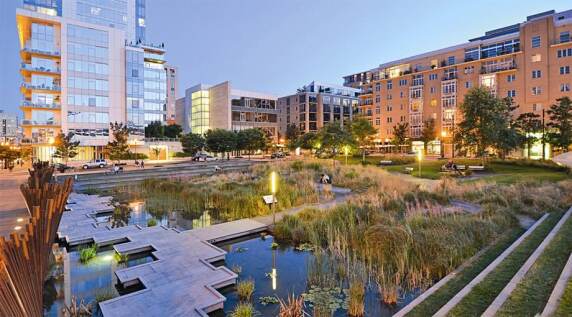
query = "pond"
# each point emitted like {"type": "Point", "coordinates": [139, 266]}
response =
{"type": "Point", "coordinates": [96, 278]}
{"type": "Point", "coordinates": [255, 258]}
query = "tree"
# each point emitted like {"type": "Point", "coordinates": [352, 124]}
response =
{"type": "Point", "coordinates": [172, 131]}
{"type": "Point", "coordinates": [155, 129]}
{"type": "Point", "coordinates": [400, 134]}
{"type": "Point", "coordinates": [560, 114]}
{"type": "Point", "coordinates": [156, 152]}
{"type": "Point", "coordinates": [428, 133]}
{"type": "Point", "coordinates": [66, 148]}
{"type": "Point", "coordinates": [8, 155]}
{"type": "Point", "coordinates": [192, 143]}
{"type": "Point", "coordinates": [252, 140]}
{"type": "Point", "coordinates": [486, 123]}
{"type": "Point", "coordinates": [307, 141]}
{"type": "Point", "coordinates": [118, 148]}
{"type": "Point", "coordinates": [292, 135]}
{"type": "Point", "coordinates": [220, 141]}
{"type": "Point", "coordinates": [528, 124]}
{"type": "Point", "coordinates": [332, 138]}
{"type": "Point", "coordinates": [363, 133]}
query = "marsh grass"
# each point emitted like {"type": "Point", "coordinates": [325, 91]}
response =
{"type": "Point", "coordinates": [245, 290]}
{"type": "Point", "coordinates": [294, 307]}
{"type": "Point", "coordinates": [87, 253]}
{"type": "Point", "coordinates": [243, 310]}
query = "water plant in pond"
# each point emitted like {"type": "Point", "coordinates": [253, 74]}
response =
{"type": "Point", "coordinates": [104, 294]}
{"type": "Point", "coordinates": [305, 247]}
{"type": "Point", "coordinates": [274, 245]}
{"type": "Point", "coordinates": [356, 297]}
{"type": "Point", "coordinates": [121, 258]}
{"type": "Point", "coordinates": [243, 310]}
{"type": "Point", "coordinates": [245, 289]}
{"type": "Point", "coordinates": [268, 300]}
{"type": "Point", "coordinates": [325, 301]}
{"type": "Point", "coordinates": [294, 307]}
{"type": "Point", "coordinates": [87, 253]}
{"type": "Point", "coordinates": [236, 269]}
{"type": "Point", "coordinates": [151, 222]}
{"type": "Point", "coordinates": [76, 309]}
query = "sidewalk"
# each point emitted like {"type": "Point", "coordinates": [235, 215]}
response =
{"type": "Point", "coordinates": [12, 204]}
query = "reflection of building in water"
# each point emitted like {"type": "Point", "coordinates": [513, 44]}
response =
{"type": "Point", "coordinates": [203, 221]}
{"type": "Point", "coordinates": [177, 220]}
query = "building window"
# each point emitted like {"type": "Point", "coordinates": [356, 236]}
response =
{"type": "Point", "coordinates": [536, 58]}
{"type": "Point", "coordinates": [389, 108]}
{"type": "Point", "coordinates": [536, 106]}
{"type": "Point", "coordinates": [432, 90]}
{"type": "Point", "coordinates": [389, 119]}
{"type": "Point", "coordinates": [389, 97]}
{"type": "Point", "coordinates": [536, 91]}
{"type": "Point", "coordinates": [536, 74]}
{"type": "Point", "coordinates": [564, 52]}
{"type": "Point", "coordinates": [511, 93]}
{"type": "Point", "coordinates": [510, 78]}
{"type": "Point", "coordinates": [469, 69]}
{"type": "Point", "coordinates": [377, 87]}
{"type": "Point", "coordinates": [402, 82]}
{"type": "Point", "coordinates": [377, 99]}
{"type": "Point", "coordinates": [432, 76]}
{"type": "Point", "coordinates": [564, 87]}
{"type": "Point", "coordinates": [468, 84]}
{"type": "Point", "coordinates": [564, 70]}
{"type": "Point", "coordinates": [401, 94]}
{"type": "Point", "coordinates": [536, 41]}
{"type": "Point", "coordinates": [564, 37]}
{"type": "Point", "coordinates": [377, 110]}
{"type": "Point", "coordinates": [451, 60]}
{"type": "Point", "coordinates": [377, 121]}
{"type": "Point", "coordinates": [389, 84]}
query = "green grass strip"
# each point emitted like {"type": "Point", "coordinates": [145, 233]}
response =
{"type": "Point", "coordinates": [484, 293]}
{"type": "Point", "coordinates": [434, 302]}
{"type": "Point", "coordinates": [565, 306]}
{"type": "Point", "coordinates": [532, 293]}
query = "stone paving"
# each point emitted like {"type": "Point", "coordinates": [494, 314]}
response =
{"type": "Point", "coordinates": [181, 282]}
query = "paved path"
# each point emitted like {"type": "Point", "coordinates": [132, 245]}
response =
{"type": "Point", "coordinates": [564, 159]}
{"type": "Point", "coordinates": [519, 276]}
{"type": "Point", "coordinates": [479, 278]}
{"type": "Point", "coordinates": [12, 204]}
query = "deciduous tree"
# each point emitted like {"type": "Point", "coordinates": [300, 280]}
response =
{"type": "Point", "coordinates": [66, 148]}
{"type": "Point", "coordinates": [400, 135]}
{"type": "Point", "coordinates": [560, 114]}
{"type": "Point", "coordinates": [363, 133]}
{"type": "Point", "coordinates": [118, 149]}
{"type": "Point", "coordinates": [428, 133]}
{"type": "Point", "coordinates": [528, 124]}
{"type": "Point", "coordinates": [192, 143]}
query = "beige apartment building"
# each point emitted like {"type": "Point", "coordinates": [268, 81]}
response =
{"type": "Point", "coordinates": [529, 62]}
{"type": "Point", "coordinates": [209, 107]}
{"type": "Point", "coordinates": [317, 104]}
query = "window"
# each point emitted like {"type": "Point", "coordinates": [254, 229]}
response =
{"type": "Point", "coordinates": [511, 93]}
{"type": "Point", "coordinates": [451, 60]}
{"type": "Point", "coordinates": [377, 87]}
{"type": "Point", "coordinates": [536, 106]}
{"type": "Point", "coordinates": [564, 37]}
{"type": "Point", "coordinates": [510, 78]}
{"type": "Point", "coordinates": [536, 91]}
{"type": "Point", "coordinates": [402, 82]}
{"type": "Point", "coordinates": [377, 110]}
{"type": "Point", "coordinates": [389, 84]}
{"type": "Point", "coordinates": [389, 108]}
{"type": "Point", "coordinates": [389, 119]}
{"type": "Point", "coordinates": [564, 70]}
{"type": "Point", "coordinates": [468, 84]}
{"type": "Point", "coordinates": [536, 74]}
{"type": "Point", "coordinates": [432, 76]}
{"type": "Point", "coordinates": [535, 41]}
{"type": "Point", "coordinates": [564, 53]}
{"type": "Point", "coordinates": [377, 121]}
{"type": "Point", "coordinates": [377, 99]}
{"type": "Point", "coordinates": [401, 94]}
{"type": "Point", "coordinates": [469, 69]}
{"type": "Point", "coordinates": [536, 58]}
{"type": "Point", "coordinates": [564, 87]}
{"type": "Point", "coordinates": [432, 90]}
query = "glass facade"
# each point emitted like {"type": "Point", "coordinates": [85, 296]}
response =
{"type": "Point", "coordinates": [140, 20]}
{"type": "Point", "coordinates": [155, 91]}
{"type": "Point", "coordinates": [135, 91]}
{"type": "Point", "coordinates": [49, 7]}
{"type": "Point", "coordinates": [200, 103]}
{"type": "Point", "coordinates": [111, 13]}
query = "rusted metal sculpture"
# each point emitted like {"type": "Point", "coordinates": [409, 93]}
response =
{"type": "Point", "coordinates": [24, 257]}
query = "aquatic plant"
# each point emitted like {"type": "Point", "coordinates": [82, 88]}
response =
{"type": "Point", "coordinates": [245, 289]}
{"type": "Point", "coordinates": [356, 296]}
{"type": "Point", "coordinates": [294, 307]}
{"type": "Point", "coordinates": [236, 269]}
{"type": "Point", "coordinates": [268, 300]}
{"type": "Point", "coordinates": [104, 294]}
{"type": "Point", "coordinates": [274, 245]}
{"type": "Point", "coordinates": [305, 247]}
{"type": "Point", "coordinates": [87, 253]}
{"type": "Point", "coordinates": [325, 300]}
{"type": "Point", "coordinates": [121, 258]}
{"type": "Point", "coordinates": [243, 310]}
{"type": "Point", "coordinates": [151, 222]}
{"type": "Point", "coordinates": [76, 309]}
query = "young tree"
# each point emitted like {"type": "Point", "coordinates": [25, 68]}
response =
{"type": "Point", "coordinates": [8, 155]}
{"type": "Point", "coordinates": [220, 141]}
{"type": "Point", "coordinates": [428, 133]}
{"type": "Point", "coordinates": [292, 135]}
{"type": "Point", "coordinates": [172, 131]}
{"type": "Point", "coordinates": [332, 138]}
{"type": "Point", "coordinates": [363, 133]}
{"type": "Point", "coordinates": [528, 124]}
{"type": "Point", "coordinates": [252, 140]}
{"type": "Point", "coordinates": [486, 123]}
{"type": "Point", "coordinates": [560, 124]}
{"type": "Point", "coordinates": [118, 148]}
{"type": "Point", "coordinates": [155, 129]}
{"type": "Point", "coordinates": [192, 143]}
{"type": "Point", "coordinates": [66, 148]}
{"type": "Point", "coordinates": [307, 141]}
{"type": "Point", "coordinates": [400, 134]}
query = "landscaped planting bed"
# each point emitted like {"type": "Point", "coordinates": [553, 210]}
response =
{"type": "Point", "coordinates": [531, 295]}
{"type": "Point", "coordinates": [484, 293]}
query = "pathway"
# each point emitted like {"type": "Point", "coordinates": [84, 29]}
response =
{"type": "Point", "coordinates": [12, 204]}
{"type": "Point", "coordinates": [564, 159]}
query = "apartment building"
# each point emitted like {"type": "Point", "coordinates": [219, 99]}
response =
{"type": "Point", "coordinates": [317, 104]}
{"type": "Point", "coordinates": [529, 62]}
{"type": "Point", "coordinates": [9, 128]}
{"type": "Point", "coordinates": [85, 63]}
{"type": "Point", "coordinates": [172, 89]}
{"type": "Point", "coordinates": [207, 107]}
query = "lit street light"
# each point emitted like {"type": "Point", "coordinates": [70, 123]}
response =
{"type": "Point", "coordinates": [419, 159]}
{"type": "Point", "coordinates": [273, 189]}
{"type": "Point", "coordinates": [443, 136]}
{"type": "Point", "coordinates": [346, 152]}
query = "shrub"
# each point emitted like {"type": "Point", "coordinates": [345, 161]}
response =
{"type": "Point", "coordinates": [243, 310]}
{"type": "Point", "coordinates": [245, 289]}
{"type": "Point", "coordinates": [88, 253]}
{"type": "Point", "coordinates": [151, 222]}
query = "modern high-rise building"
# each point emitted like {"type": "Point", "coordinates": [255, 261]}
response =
{"type": "Point", "coordinates": [529, 62]}
{"type": "Point", "coordinates": [85, 63]}
{"type": "Point", "coordinates": [317, 104]}
{"type": "Point", "coordinates": [220, 106]}
{"type": "Point", "coordinates": [9, 128]}
{"type": "Point", "coordinates": [172, 89]}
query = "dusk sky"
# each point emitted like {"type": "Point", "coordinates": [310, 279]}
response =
{"type": "Point", "coordinates": [276, 46]}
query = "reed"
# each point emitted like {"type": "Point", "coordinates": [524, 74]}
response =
{"type": "Point", "coordinates": [245, 290]}
{"type": "Point", "coordinates": [243, 310]}
{"type": "Point", "coordinates": [87, 253]}
{"type": "Point", "coordinates": [294, 307]}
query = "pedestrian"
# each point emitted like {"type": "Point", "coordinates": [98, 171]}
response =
{"type": "Point", "coordinates": [142, 164]}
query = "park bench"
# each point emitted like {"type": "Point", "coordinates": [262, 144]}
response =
{"type": "Point", "coordinates": [409, 170]}
{"type": "Point", "coordinates": [476, 168]}
{"type": "Point", "coordinates": [385, 162]}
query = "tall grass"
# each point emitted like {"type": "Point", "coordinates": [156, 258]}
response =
{"type": "Point", "coordinates": [243, 310]}
{"type": "Point", "coordinates": [294, 307]}
{"type": "Point", "coordinates": [245, 289]}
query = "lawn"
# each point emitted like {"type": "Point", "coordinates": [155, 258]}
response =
{"type": "Point", "coordinates": [483, 294]}
{"type": "Point", "coordinates": [434, 302]}
{"type": "Point", "coordinates": [531, 295]}
{"type": "Point", "coordinates": [565, 306]}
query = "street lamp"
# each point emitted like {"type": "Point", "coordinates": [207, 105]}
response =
{"type": "Point", "coordinates": [346, 152]}
{"type": "Point", "coordinates": [419, 159]}
{"type": "Point", "coordinates": [443, 136]}
{"type": "Point", "coordinates": [273, 189]}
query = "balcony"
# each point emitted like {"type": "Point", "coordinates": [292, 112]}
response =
{"type": "Point", "coordinates": [29, 104]}
{"type": "Point", "coordinates": [498, 67]}
{"type": "Point", "coordinates": [29, 68]}
{"type": "Point", "coordinates": [449, 77]}
{"type": "Point", "coordinates": [28, 50]}
{"type": "Point", "coordinates": [40, 123]}
{"type": "Point", "coordinates": [37, 140]}
{"type": "Point", "coordinates": [42, 87]}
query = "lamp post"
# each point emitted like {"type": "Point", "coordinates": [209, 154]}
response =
{"type": "Point", "coordinates": [443, 136]}
{"type": "Point", "coordinates": [273, 188]}
{"type": "Point", "coordinates": [346, 152]}
{"type": "Point", "coordinates": [419, 159]}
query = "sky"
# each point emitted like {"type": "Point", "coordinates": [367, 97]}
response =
{"type": "Point", "coordinates": [277, 46]}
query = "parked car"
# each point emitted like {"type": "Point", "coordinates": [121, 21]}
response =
{"type": "Point", "coordinates": [276, 155]}
{"type": "Point", "coordinates": [95, 164]}
{"type": "Point", "coordinates": [62, 168]}
{"type": "Point", "coordinates": [203, 157]}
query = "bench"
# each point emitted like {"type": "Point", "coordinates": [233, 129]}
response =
{"type": "Point", "coordinates": [385, 162]}
{"type": "Point", "coordinates": [459, 168]}
{"type": "Point", "coordinates": [409, 170]}
{"type": "Point", "coordinates": [476, 168]}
